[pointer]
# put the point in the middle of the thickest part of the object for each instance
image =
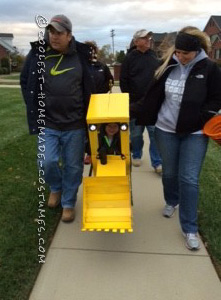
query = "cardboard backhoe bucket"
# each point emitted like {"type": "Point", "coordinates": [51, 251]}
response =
{"type": "Point", "coordinates": [107, 194]}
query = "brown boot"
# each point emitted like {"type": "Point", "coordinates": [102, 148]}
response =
{"type": "Point", "coordinates": [68, 215]}
{"type": "Point", "coordinates": [54, 199]}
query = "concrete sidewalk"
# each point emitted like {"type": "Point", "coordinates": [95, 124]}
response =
{"type": "Point", "coordinates": [150, 263]}
{"type": "Point", "coordinates": [9, 86]}
{"type": "Point", "coordinates": [9, 83]}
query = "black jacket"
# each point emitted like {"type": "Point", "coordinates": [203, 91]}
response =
{"type": "Point", "coordinates": [137, 71]}
{"type": "Point", "coordinates": [32, 82]}
{"type": "Point", "coordinates": [201, 97]}
{"type": "Point", "coordinates": [101, 77]}
{"type": "Point", "coordinates": [104, 147]}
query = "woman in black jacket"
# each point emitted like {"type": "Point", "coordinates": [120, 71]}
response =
{"type": "Point", "coordinates": [185, 95]}
{"type": "Point", "coordinates": [100, 73]}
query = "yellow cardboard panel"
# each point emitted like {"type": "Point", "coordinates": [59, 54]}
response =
{"type": "Point", "coordinates": [107, 203]}
{"type": "Point", "coordinates": [108, 108]}
{"type": "Point", "coordinates": [114, 167]}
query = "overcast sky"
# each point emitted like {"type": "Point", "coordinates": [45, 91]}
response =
{"type": "Point", "coordinates": [93, 20]}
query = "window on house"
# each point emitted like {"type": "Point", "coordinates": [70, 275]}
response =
{"type": "Point", "coordinates": [218, 54]}
{"type": "Point", "coordinates": [213, 38]}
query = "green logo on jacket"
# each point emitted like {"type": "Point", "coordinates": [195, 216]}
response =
{"type": "Point", "coordinates": [54, 70]}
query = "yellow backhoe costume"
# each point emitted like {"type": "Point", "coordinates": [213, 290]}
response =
{"type": "Point", "coordinates": [107, 194]}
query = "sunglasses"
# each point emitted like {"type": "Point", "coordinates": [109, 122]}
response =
{"type": "Point", "coordinates": [146, 38]}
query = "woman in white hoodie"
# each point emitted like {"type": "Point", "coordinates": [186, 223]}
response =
{"type": "Point", "coordinates": [185, 94]}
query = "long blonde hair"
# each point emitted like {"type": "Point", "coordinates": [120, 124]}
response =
{"type": "Point", "coordinates": [168, 53]}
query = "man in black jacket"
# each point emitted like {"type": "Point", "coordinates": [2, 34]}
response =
{"type": "Point", "coordinates": [56, 87]}
{"type": "Point", "coordinates": [136, 74]}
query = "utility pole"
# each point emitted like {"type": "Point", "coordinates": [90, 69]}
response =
{"type": "Point", "coordinates": [112, 36]}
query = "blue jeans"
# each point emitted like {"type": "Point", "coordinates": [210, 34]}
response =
{"type": "Point", "coordinates": [182, 159]}
{"type": "Point", "coordinates": [137, 142]}
{"type": "Point", "coordinates": [69, 147]}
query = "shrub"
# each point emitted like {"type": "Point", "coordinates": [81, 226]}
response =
{"type": "Point", "coordinates": [5, 62]}
{"type": "Point", "coordinates": [5, 70]}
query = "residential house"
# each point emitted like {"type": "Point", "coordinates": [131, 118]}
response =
{"type": "Point", "coordinates": [213, 29]}
{"type": "Point", "coordinates": [6, 47]}
{"type": "Point", "coordinates": [161, 41]}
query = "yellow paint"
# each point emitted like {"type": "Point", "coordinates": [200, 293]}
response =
{"type": "Point", "coordinates": [107, 195]}
{"type": "Point", "coordinates": [104, 108]}
{"type": "Point", "coordinates": [115, 167]}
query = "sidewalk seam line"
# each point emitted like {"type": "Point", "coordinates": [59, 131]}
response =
{"type": "Point", "coordinates": [130, 252]}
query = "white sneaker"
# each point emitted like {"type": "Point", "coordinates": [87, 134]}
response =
{"type": "Point", "coordinates": [168, 211]}
{"type": "Point", "coordinates": [158, 169]}
{"type": "Point", "coordinates": [136, 162]}
{"type": "Point", "coordinates": [192, 241]}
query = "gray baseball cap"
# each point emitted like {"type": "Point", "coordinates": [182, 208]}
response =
{"type": "Point", "coordinates": [61, 23]}
{"type": "Point", "coordinates": [141, 33]}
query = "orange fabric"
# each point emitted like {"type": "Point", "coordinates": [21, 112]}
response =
{"type": "Point", "coordinates": [213, 129]}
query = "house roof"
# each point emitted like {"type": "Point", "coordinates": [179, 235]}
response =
{"type": "Point", "coordinates": [217, 20]}
{"type": "Point", "coordinates": [159, 37]}
{"type": "Point", "coordinates": [6, 35]}
{"type": "Point", "coordinates": [7, 46]}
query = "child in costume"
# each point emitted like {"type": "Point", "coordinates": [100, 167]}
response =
{"type": "Point", "coordinates": [109, 141]}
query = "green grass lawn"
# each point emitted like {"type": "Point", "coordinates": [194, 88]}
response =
{"type": "Point", "coordinates": [210, 203]}
{"type": "Point", "coordinates": [11, 76]}
{"type": "Point", "coordinates": [19, 202]}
